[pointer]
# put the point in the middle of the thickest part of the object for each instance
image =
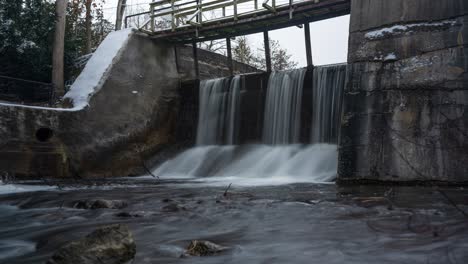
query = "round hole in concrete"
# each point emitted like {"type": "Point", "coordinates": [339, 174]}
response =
{"type": "Point", "coordinates": [43, 134]}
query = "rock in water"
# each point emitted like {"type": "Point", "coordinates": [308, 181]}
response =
{"type": "Point", "coordinates": [204, 248]}
{"type": "Point", "coordinates": [110, 245]}
{"type": "Point", "coordinates": [99, 204]}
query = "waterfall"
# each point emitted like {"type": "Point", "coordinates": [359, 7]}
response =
{"type": "Point", "coordinates": [282, 123]}
{"type": "Point", "coordinates": [280, 158]}
{"type": "Point", "coordinates": [218, 114]}
{"type": "Point", "coordinates": [233, 111]}
{"type": "Point", "coordinates": [328, 86]}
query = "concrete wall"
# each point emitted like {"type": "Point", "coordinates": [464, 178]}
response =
{"type": "Point", "coordinates": [406, 103]}
{"type": "Point", "coordinates": [133, 116]}
{"type": "Point", "coordinates": [211, 65]}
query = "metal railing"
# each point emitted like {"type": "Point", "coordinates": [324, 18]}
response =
{"type": "Point", "coordinates": [25, 91]}
{"type": "Point", "coordinates": [182, 14]}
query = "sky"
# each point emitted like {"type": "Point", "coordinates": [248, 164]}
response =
{"type": "Point", "coordinates": [329, 37]}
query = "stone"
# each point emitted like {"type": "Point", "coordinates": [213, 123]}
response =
{"type": "Point", "coordinates": [204, 248]}
{"type": "Point", "coordinates": [100, 204]}
{"type": "Point", "coordinates": [128, 215]}
{"type": "Point", "coordinates": [110, 244]}
{"type": "Point", "coordinates": [172, 208]}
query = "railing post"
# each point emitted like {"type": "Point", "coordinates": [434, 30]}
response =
{"type": "Point", "coordinates": [152, 18]}
{"type": "Point", "coordinates": [235, 9]}
{"type": "Point", "coordinates": [308, 45]}
{"type": "Point", "coordinates": [199, 7]}
{"type": "Point", "coordinates": [256, 4]}
{"type": "Point", "coordinates": [224, 11]}
{"type": "Point", "coordinates": [229, 56]}
{"type": "Point", "coordinates": [173, 22]}
{"type": "Point", "coordinates": [266, 43]}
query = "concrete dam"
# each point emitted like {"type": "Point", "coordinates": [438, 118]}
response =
{"type": "Point", "coordinates": [397, 111]}
{"type": "Point", "coordinates": [162, 152]}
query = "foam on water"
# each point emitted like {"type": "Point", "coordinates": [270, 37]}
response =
{"type": "Point", "coordinates": [254, 164]}
{"type": "Point", "coordinates": [20, 188]}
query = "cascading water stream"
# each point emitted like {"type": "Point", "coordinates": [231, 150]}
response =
{"type": "Point", "coordinates": [282, 124]}
{"type": "Point", "coordinates": [280, 158]}
{"type": "Point", "coordinates": [218, 117]}
{"type": "Point", "coordinates": [328, 85]}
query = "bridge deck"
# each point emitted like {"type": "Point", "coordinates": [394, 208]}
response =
{"type": "Point", "coordinates": [258, 20]}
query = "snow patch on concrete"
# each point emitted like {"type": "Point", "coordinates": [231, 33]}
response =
{"type": "Point", "coordinates": [390, 57]}
{"type": "Point", "coordinates": [399, 29]}
{"type": "Point", "coordinates": [91, 79]}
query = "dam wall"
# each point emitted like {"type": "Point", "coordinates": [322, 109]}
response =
{"type": "Point", "coordinates": [405, 115]}
{"type": "Point", "coordinates": [129, 114]}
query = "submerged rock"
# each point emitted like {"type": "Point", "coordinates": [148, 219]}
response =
{"type": "Point", "coordinates": [110, 245]}
{"type": "Point", "coordinates": [171, 208]}
{"type": "Point", "coordinates": [204, 248]}
{"type": "Point", "coordinates": [100, 204]}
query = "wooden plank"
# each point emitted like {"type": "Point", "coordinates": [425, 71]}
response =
{"type": "Point", "coordinates": [308, 45]}
{"type": "Point", "coordinates": [255, 24]}
{"type": "Point", "coordinates": [266, 43]}
{"type": "Point", "coordinates": [324, 7]}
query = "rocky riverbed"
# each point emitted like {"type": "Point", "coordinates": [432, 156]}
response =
{"type": "Point", "coordinates": [298, 223]}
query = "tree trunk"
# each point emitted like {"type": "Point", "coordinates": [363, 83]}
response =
{"type": "Point", "coordinates": [88, 24]}
{"type": "Point", "coordinates": [58, 49]}
{"type": "Point", "coordinates": [120, 11]}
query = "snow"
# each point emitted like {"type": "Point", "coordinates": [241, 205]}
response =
{"type": "Point", "coordinates": [390, 57]}
{"type": "Point", "coordinates": [27, 44]}
{"type": "Point", "coordinates": [406, 28]}
{"type": "Point", "coordinates": [90, 80]}
{"type": "Point", "coordinates": [19, 188]}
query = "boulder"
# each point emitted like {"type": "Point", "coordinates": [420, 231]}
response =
{"type": "Point", "coordinates": [99, 204]}
{"type": "Point", "coordinates": [204, 248]}
{"type": "Point", "coordinates": [110, 245]}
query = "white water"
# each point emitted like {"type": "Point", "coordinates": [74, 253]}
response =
{"type": "Point", "coordinates": [254, 164]}
{"type": "Point", "coordinates": [219, 102]}
{"type": "Point", "coordinates": [282, 124]}
{"type": "Point", "coordinates": [6, 188]}
{"type": "Point", "coordinates": [279, 159]}
{"type": "Point", "coordinates": [328, 86]}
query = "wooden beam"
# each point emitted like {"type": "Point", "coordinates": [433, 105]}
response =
{"type": "Point", "coordinates": [308, 45]}
{"type": "Point", "coordinates": [195, 60]}
{"type": "Point", "coordinates": [266, 42]}
{"type": "Point", "coordinates": [229, 56]}
{"type": "Point", "coordinates": [249, 24]}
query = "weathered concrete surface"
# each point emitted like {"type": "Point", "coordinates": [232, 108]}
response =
{"type": "Point", "coordinates": [211, 65]}
{"type": "Point", "coordinates": [406, 103]}
{"type": "Point", "coordinates": [132, 115]}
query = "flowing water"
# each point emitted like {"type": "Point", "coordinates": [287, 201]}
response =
{"type": "Point", "coordinates": [329, 82]}
{"type": "Point", "coordinates": [279, 158]}
{"type": "Point", "coordinates": [258, 218]}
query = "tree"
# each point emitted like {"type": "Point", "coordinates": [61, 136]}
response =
{"type": "Point", "coordinates": [242, 52]}
{"type": "Point", "coordinates": [88, 24]}
{"type": "Point", "coordinates": [59, 45]}
{"type": "Point", "coordinates": [121, 5]}
{"type": "Point", "coordinates": [26, 35]}
{"type": "Point", "coordinates": [280, 59]}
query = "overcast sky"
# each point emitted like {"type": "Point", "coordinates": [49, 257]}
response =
{"type": "Point", "coordinates": [329, 37]}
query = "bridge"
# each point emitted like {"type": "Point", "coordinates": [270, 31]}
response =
{"type": "Point", "coordinates": [192, 21]}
